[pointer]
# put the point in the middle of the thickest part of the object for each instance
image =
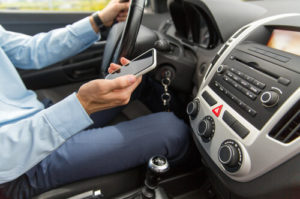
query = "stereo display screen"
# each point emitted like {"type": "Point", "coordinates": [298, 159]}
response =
{"type": "Point", "coordinates": [285, 40]}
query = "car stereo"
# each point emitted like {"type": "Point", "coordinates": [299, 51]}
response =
{"type": "Point", "coordinates": [255, 81]}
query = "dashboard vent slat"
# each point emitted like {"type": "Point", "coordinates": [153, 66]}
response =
{"type": "Point", "coordinates": [288, 131]}
{"type": "Point", "coordinates": [293, 134]}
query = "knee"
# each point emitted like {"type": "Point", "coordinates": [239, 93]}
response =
{"type": "Point", "coordinates": [176, 134]}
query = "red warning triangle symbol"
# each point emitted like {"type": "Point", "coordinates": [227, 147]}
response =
{"type": "Point", "coordinates": [217, 110]}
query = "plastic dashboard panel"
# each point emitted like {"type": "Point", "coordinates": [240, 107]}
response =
{"type": "Point", "coordinates": [260, 152]}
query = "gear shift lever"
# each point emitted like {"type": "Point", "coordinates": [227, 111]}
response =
{"type": "Point", "coordinates": [157, 166]}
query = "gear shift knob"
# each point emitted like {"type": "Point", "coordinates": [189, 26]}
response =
{"type": "Point", "coordinates": [158, 165]}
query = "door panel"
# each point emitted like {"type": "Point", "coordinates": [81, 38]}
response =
{"type": "Point", "coordinates": [82, 67]}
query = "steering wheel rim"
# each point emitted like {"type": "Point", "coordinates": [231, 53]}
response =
{"type": "Point", "coordinates": [121, 39]}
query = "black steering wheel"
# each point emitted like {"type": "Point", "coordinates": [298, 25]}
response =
{"type": "Point", "coordinates": [122, 38]}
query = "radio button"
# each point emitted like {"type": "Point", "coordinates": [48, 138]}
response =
{"type": "Point", "coordinates": [231, 82]}
{"type": "Point", "coordinates": [236, 100]}
{"type": "Point", "coordinates": [239, 73]}
{"type": "Point", "coordinates": [231, 96]}
{"type": "Point", "coordinates": [221, 88]}
{"type": "Point", "coordinates": [236, 78]}
{"type": "Point", "coordinates": [244, 83]}
{"type": "Point", "coordinates": [284, 81]}
{"type": "Point", "coordinates": [217, 84]}
{"type": "Point", "coordinates": [226, 78]}
{"type": "Point", "coordinates": [243, 105]}
{"type": "Point", "coordinates": [229, 74]}
{"type": "Point", "coordinates": [247, 93]}
{"type": "Point", "coordinates": [249, 79]}
{"type": "Point", "coordinates": [251, 95]}
{"type": "Point", "coordinates": [236, 85]}
{"type": "Point", "coordinates": [240, 88]}
{"type": "Point", "coordinates": [251, 111]}
{"type": "Point", "coordinates": [259, 84]}
{"type": "Point", "coordinates": [233, 70]}
{"type": "Point", "coordinates": [254, 89]}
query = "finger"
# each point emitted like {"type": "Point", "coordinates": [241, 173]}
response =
{"type": "Point", "coordinates": [123, 6]}
{"type": "Point", "coordinates": [123, 95]}
{"type": "Point", "coordinates": [124, 61]}
{"type": "Point", "coordinates": [121, 19]}
{"type": "Point", "coordinates": [113, 67]}
{"type": "Point", "coordinates": [121, 82]}
{"type": "Point", "coordinates": [123, 14]}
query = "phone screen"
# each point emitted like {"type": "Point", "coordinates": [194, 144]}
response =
{"type": "Point", "coordinates": [136, 66]}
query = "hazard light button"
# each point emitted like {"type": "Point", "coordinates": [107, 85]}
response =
{"type": "Point", "coordinates": [217, 110]}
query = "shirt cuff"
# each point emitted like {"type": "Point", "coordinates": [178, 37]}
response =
{"type": "Point", "coordinates": [68, 116]}
{"type": "Point", "coordinates": [83, 28]}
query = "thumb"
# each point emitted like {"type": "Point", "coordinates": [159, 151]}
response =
{"type": "Point", "coordinates": [121, 82]}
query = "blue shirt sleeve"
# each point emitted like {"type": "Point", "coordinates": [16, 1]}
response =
{"type": "Point", "coordinates": [35, 52]}
{"type": "Point", "coordinates": [25, 143]}
{"type": "Point", "coordinates": [29, 133]}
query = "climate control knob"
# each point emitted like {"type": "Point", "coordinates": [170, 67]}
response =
{"type": "Point", "coordinates": [206, 128]}
{"type": "Point", "coordinates": [192, 108]}
{"type": "Point", "coordinates": [269, 98]}
{"type": "Point", "coordinates": [230, 155]}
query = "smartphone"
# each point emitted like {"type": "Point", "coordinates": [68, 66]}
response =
{"type": "Point", "coordinates": [138, 66]}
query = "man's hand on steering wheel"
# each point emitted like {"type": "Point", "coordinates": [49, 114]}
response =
{"type": "Point", "coordinates": [113, 11]}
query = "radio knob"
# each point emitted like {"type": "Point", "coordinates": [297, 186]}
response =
{"type": "Point", "coordinates": [228, 155]}
{"type": "Point", "coordinates": [221, 69]}
{"type": "Point", "coordinates": [269, 98]}
{"type": "Point", "coordinates": [192, 108]}
{"type": "Point", "coordinates": [206, 128]}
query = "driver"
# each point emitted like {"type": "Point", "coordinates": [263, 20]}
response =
{"type": "Point", "coordinates": [43, 148]}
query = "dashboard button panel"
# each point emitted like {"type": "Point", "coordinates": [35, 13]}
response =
{"type": "Point", "coordinates": [228, 118]}
{"type": "Point", "coordinates": [240, 129]}
{"type": "Point", "coordinates": [235, 99]}
{"type": "Point", "coordinates": [208, 98]}
{"type": "Point", "coordinates": [235, 125]}
{"type": "Point", "coordinates": [241, 86]}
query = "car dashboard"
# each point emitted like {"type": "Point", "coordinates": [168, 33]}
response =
{"type": "Point", "coordinates": [245, 111]}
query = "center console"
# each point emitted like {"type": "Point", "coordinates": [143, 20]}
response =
{"type": "Point", "coordinates": [246, 114]}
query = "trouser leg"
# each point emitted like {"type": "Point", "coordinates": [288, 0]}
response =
{"type": "Point", "coordinates": [97, 152]}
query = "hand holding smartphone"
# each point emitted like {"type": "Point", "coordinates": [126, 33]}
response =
{"type": "Point", "coordinates": [138, 66]}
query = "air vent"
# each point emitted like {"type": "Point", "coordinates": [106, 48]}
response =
{"type": "Point", "coordinates": [289, 130]}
